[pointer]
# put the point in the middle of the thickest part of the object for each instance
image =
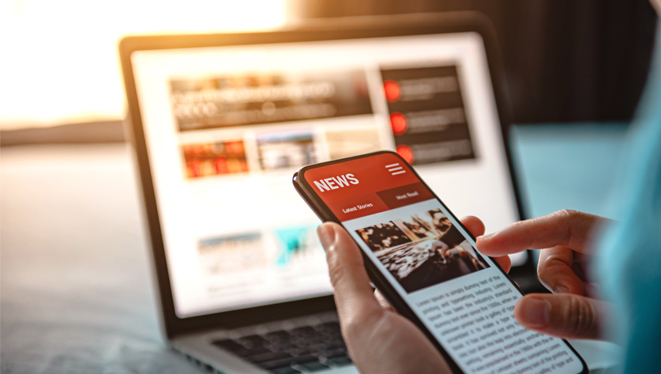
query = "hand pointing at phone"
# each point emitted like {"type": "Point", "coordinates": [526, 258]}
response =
{"type": "Point", "coordinates": [564, 238]}
{"type": "Point", "coordinates": [381, 340]}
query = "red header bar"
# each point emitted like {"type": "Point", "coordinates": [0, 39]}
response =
{"type": "Point", "coordinates": [367, 186]}
{"type": "Point", "coordinates": [359, 177]}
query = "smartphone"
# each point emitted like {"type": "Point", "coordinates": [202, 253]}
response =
{"type": "Point", "coordinates": [426, 264]}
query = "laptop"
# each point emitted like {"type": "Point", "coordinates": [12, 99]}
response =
{"type": "Point", "coordinates": [220, 123]}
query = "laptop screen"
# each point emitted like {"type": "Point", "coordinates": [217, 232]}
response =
{"type": "Point", "coordinates": [226, 127]}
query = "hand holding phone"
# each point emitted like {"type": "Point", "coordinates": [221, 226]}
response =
{"type": "Point", "coordinates": [425, 263]}
{"type": "Point", "coordinates": [403, 348]}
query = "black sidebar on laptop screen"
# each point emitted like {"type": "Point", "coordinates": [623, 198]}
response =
{"type": "Point", "coordinates": [225, 128]}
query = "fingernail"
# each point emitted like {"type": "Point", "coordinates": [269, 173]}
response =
{"type": "Point", "coordinates": [486, 237]}
{"type": "Point", "coordinates": [534, 312]}
{"type": "Point", "coordinates": [561, 289]}
{"type": "Point", "coordinates": [326, 235]}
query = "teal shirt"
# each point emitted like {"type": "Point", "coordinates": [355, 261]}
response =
{"type": "Point", "coordinates": [628, 263]}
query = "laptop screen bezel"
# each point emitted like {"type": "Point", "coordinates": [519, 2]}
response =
{"type": "Point", "coordinates": [322, 30]}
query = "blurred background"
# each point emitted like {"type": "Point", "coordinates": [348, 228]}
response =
{"type": "Point", "coordinates": [564, 61]}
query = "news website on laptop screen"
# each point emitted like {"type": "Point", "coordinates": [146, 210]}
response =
{"type": "Point", "coordinates": [226, 127]}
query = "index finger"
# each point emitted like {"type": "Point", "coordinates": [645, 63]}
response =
{"type": "Point", "coordinates": [567, 227]}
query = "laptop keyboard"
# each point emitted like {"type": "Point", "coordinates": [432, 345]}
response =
{"type": "Point", "coordinates": [302, 349]}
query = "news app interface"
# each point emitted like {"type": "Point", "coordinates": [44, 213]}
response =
{"type": "Point", "coordinates": [461, 296]}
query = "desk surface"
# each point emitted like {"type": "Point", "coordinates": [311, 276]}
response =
{"type": "Point", "coordinates": [77, 293]}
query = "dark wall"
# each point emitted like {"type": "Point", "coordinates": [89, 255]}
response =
{"type": "Point", "coordinates": [564, 60]}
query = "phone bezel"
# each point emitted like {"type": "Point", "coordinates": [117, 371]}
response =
{"type": "Point", "coordinates": [380, 282]}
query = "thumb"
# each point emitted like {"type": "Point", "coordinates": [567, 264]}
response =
{"type": "Point", "coordinates": [565, 316]}
{"type": "Point", "coordinates": [353, 294]}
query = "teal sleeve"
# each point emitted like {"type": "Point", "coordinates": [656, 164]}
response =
{"type": "Point", "coordinates": [629, 251]}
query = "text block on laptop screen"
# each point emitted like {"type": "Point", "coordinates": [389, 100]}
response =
{"type": "Point", "coordinates": [226, 127]}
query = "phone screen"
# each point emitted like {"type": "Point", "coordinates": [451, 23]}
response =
{"type": "Point", "coordinates": [462, 297]}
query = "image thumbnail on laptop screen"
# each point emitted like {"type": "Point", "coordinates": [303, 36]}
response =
{"type": "Point", "coordinates": [225, 127]}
